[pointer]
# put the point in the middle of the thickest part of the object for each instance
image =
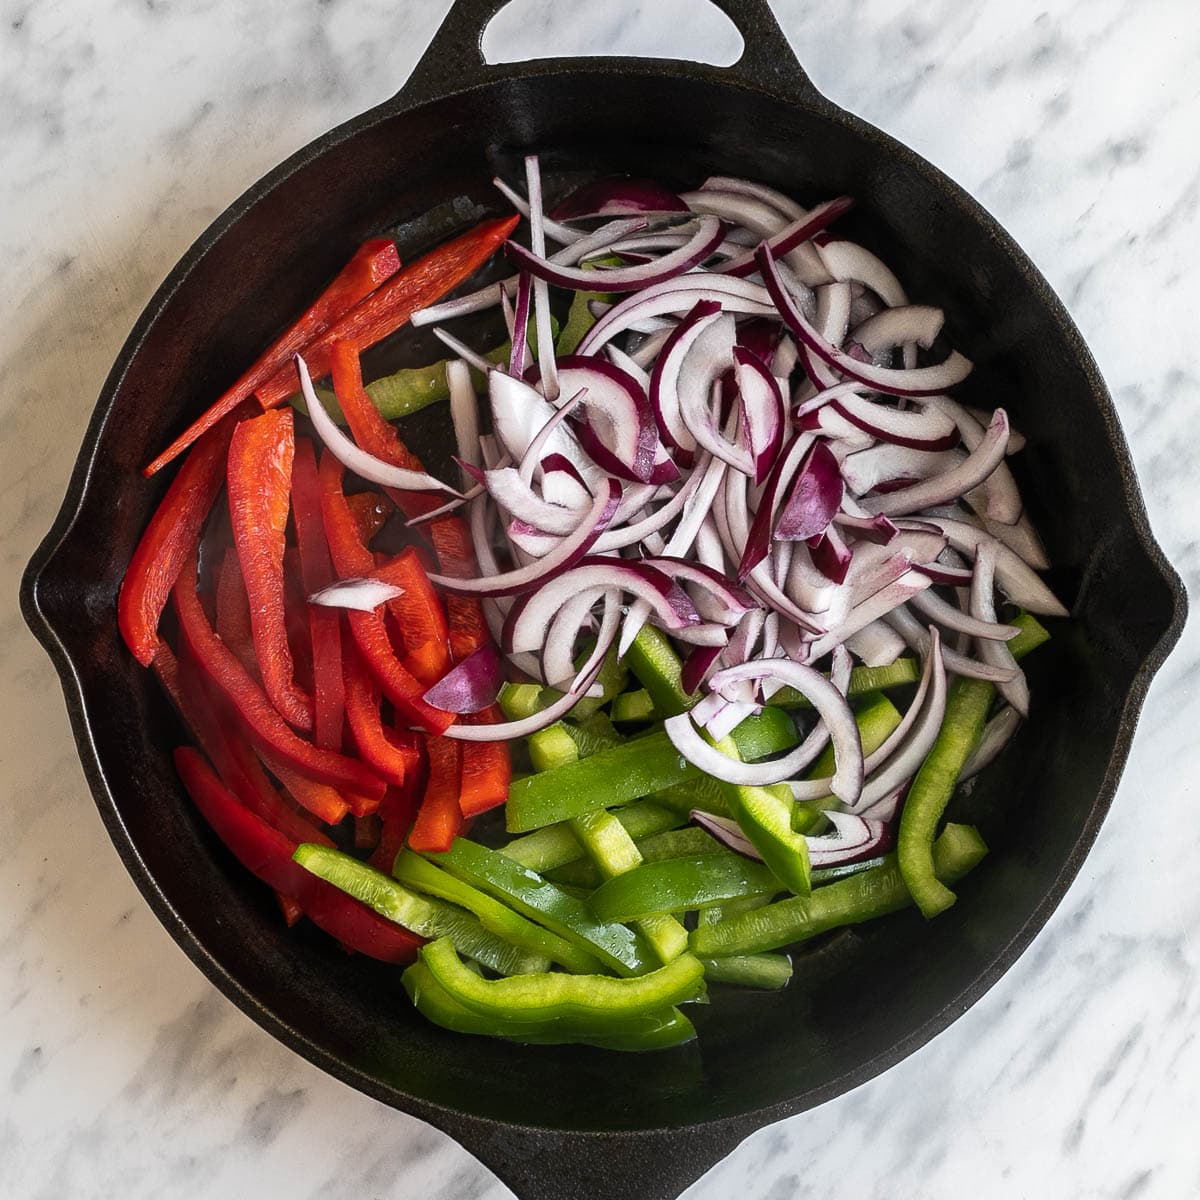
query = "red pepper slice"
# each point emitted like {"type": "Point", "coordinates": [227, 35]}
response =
{"type": "Point", "coordinates": [267, 854]}
{"type": "Point", "coordinates": [440, 818]}
{"type": "Point", "coordinates": [233, 612]}
{"type": "Point", "coordinates": [486, 769]}
{"type": "Point", "coordinates": [320, 799]}
{"type": "Point", "coordinates": [419, 284]}
{"type": "Point", "coordinates": [316, 569]}
{"type": "Point", "coordinates": [419, 615]}
{"type": "Point", "coordinates": [352, 558]}
{"type": "Point", "coordinates": [450, 536]}
{"type": "Point", "coordinates": [373, 262]}
{"type": "Point", "coordinates": [371, 512]}
{"type": "Point", "coordinates": [397, 812]}
{"type": "Point", "coordinates": [171, 536]}
{"type": "Point", "coordinates": [233, 759]}
{"type": "Point", "coordinates": [264, 724]}
{"type": "Point", "coordinates": [259, 482]}
{"type": "Point", "coordinates": [381, 753]}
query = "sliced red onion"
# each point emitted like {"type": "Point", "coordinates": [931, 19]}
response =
{"type": "Point", "coordinates": [536, 451]}
{"type": "Point", "coordinates": [831, 707]}
{"type": "Point", "coordinates": [995, 653]}
{"type": "Point", "coordinates": [760, 218]}
{"type": "Point", "coordinates": [997, 733]}
{"type": "Point", "coordinates": [619, 432]}
{"type": "Point", "coordinates": [891, 327]}
{"type": "Point", "coordinates": [757, 543]}
{"type": "Point", "coordinates": [730, 717]}
{"type": "Point", "coordinates": [732, 600]}
{"type": "Point", "coordinates": [364, 595]}
{"type": "Point", "coordinates": [699, 377]}
{"type": "Point", "coordinates": [622, 279]}
{"type": "Point", "coordinates": [728, 832]}
{"type": "Point", "coordinates": [877, 644]}
{"type": "Point", "coordinates": [763, 409]}
{"type": "Point", "coordinates": [632, 368]}
{"type": "Point", "coordinates": [745, 638]}
{"type": "Point", "coordinates": [833, 312]}
{"type": "Point", "coordinates": [853, 839]}
{"type": "Point", "coordinates": [564, 555]}
{"type": "Point", "coordinates": [970, 473]}
{"type": "Point", "coordinates": [850, 261]}
{"type": "Point", "coordinates": [814, 497]}
{"type": "Point", "coordinates": [614, 197]}
{"type": "Point", "coordinates": [664, 379]}
{"type": "Point", "coordinates": [1021, 538]}
{"type": "Point", "coordinates": [563, 234]}
{"type": "Point", "coordinates": [481, 364]}
{"type": "Point", "coordinates": [1014, 578]}
{"type": "Point", "coordinates": [950, 616]}
{"type": "Point", "coordinates": [877, 529]}
{"type": "Point", "coordinates": [677, 295]}
{"type": "Point", "coordinates": [372, 469]}
{"type": "Point", "coordinates": [519, 356]}
{"type": "Point", "coordinates": [527, 625]}
{"type": "Point", "coordinates": [887, 809]}
{"type": "Point", "coordinates": [648, 349]}
{"type": "Point", "coordinates": [541, 292]}
{"type": "Point", "coordinates": [1016, 439]}
{"type": "Point", "coordinates": [881, 604]}
{"type": "Point", "coordinates": [918, 381]}
{"type": "Point", "coordinates": [865, 470]}
{"type": "Point", "coordinates": [464, 411]}
{"type": "Point", "coordinates": [697, 665]}
{"type": "Point", "coordinates": [917, 636]}
{"type": "Point", "coordinates": [632, 248]}
{"type": "Point", "coordinates": [572, 619]}
{"type": "Point", "coordinates": [921, 429]}
{"type": "Point", "coordinates": [784, 205]}
{"type": "Point", "coordinates": [793, 234]}
{"type": "Point", "coordinates": [518, 498]}
{"type": "Point", "coordinates": [944, 576]}
{"type": "Point", "coordinates": [910, 752]}
{"type": "Point", "coordinates": [998, 498]}
{"type": "Point", "coordinates": [830, 555]}
{"type": "Point", "coordinates": [874, 566]}
{"type": "Point", "coordinates": [520, 412]}
{"type": "Point", "coordinates": [510, 730]}
{"type": "Point", "coordinates": [471, 685]}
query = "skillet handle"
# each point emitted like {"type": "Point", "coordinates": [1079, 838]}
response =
{"type": "Point", "coordinates": [454, 60]}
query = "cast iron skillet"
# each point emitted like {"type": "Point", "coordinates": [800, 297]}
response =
{"type": "Point", "coordinates": [571, 1122]}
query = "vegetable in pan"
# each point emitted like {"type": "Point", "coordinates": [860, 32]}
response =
{"type": "Point", "coordinates": [680, 667]}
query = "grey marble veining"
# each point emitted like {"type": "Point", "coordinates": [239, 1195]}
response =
{"type": "Point", "coordinates": [125, 127]}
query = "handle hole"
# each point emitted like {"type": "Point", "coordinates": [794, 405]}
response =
{"type": "Point", "coordinates": [530, 29]}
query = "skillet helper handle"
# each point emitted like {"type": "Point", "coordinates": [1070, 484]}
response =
{"type": "Point", "coordinates": [454, 60]}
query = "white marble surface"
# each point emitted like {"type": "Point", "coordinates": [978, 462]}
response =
{"type": "Point", "coordinates": [125, 127]}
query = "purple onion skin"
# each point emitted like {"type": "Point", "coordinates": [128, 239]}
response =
{"type": "Point", "coordinates": [814, 499]}
{"type": "Point", "coordinates": [470, 686]}
{"type": "Point", "coordinates": [833, 561]}
{"type": "Point", "coordinates": [696, 666]}
{"type": "Point", "coordinates": [617, 197]}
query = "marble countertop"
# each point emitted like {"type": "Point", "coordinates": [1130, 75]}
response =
{"type": "Point", "coordinates": [125, 128]}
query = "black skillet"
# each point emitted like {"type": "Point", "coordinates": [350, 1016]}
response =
{"type": "Point", "coordinates": [563, 1122]}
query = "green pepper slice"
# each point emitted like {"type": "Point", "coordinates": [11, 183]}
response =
{"type": "Point", "coordinates": [415, 872]}
{"type": "Point", "coordinates": [668, 1028]}
{"type": "Point", "coordinates": [768, 972]}
{"type": "Point", "coordinates": [680, 884]}
{"type": "Point", "coordinates": [596, 1004]}
{"type": "Point", "coordinates": [618, 948]}
{"type": "Point", "coordinates": [556, 845]}
{"type": "Point", "coordinates": [849, 901]}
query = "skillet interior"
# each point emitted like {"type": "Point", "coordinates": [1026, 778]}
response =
{"type": "Point", "coordinates": [758, 1057]}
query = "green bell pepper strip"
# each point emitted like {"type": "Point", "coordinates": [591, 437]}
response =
{"type": "Point", "coordinates": [521, 700]}
{"type": "Point", "coordinates": [594, 733]}
{"type": "Point", "coordinates": [637, 768]}
{"type": "Point", "coordinates": [765, 816]}
{"type": "Point", "coordinates": [632, 708]}
{"type": "Point", "coordinates": [877, 717]}
{"type": "Point", "coordinates": [769, 972]}
{"type": "Point", "coordinates": [434, 1003]}
{"type": "Point", "coordinates": [594, 1004]}
{"type": "Point", "coordinates": [680, 884]}
{"type": "Point", "coordinates": [967, 708]}
{"type": "Point", "coordinates": [606, 841]}
{"type": "Point", "coordinates": [849, 901]}
{"type": "Point", "coordinates": [425, 917]}
{"type": "Point", "coordinates": [618, 948]}
{"type": "Point", "coordinates": [579, 320]}
{"type": "Point", "coordinates": [652, 658]}
{"type": "Point", "coordinates": [422, 876]}
{"type": "Point", "coordinates": [672, 843]}
{"type": "Point", "coordinates": [551, 747]}
{"type": "Point", "coordinates": [555, 845]}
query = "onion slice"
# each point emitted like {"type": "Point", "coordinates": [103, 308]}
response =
{"type": "Point", "coordinates": [363, 595]}
{"type": "Point", "coordinates": [996, 654]}
{"type": "Point", "coordinates": [853, 839]}
{"type": "Point", "coordinates": [471, 685]}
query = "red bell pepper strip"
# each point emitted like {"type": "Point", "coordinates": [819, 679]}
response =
{"type": "Point", "coordinates": [486, 769]}
{"type": "Point", "coordinates": [320, 799]}
{"type": "Point", "coordinates": [267, 854]}
{"type": "Point", "coordinates": [397, 812]}
{"type": "Point", "coordinates": [316, 569]}
{"type": "Point", "coordinates": [233, 612]}
{"type": "Point", "coordinates": [292, 912]}
{"type": "Point", "coordinates": [259, 482]}
{"type": "Point", "coordinates": [295, 616]}
{"type": "Point", "coordinates": [419, 615]}
{"type": "Point", "coordinates": [371, 512]}
{"type": "Point", "coordinates": [172, 535]}
{"type": "Point", "coordinates": [439, 818]}
{"type": "Point", "coordinates": [232, 758]}
{"type": "Point", "coordinates": [385, 758]}
{"type": "Point", "coordinates": [373, 262]}
{"type": "Point", "coordinates": [352, 558]}
{"type": "Point", "coordinates": [419, 284]}
{"type": "Point", "coordinates": [451, 539]}
{"type": "Point", "coordinates": [264, 724]}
